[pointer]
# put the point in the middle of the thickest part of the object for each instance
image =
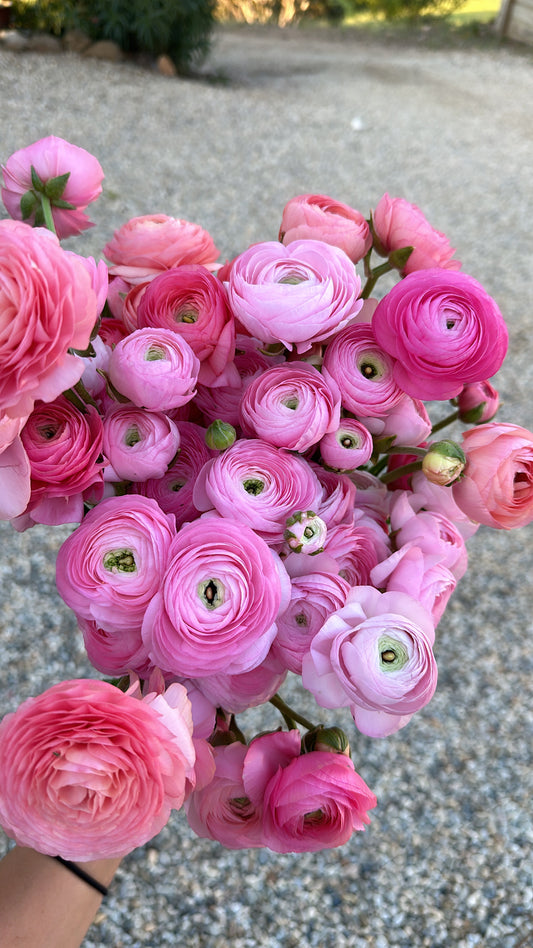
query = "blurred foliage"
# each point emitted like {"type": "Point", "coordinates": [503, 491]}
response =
{"type": "Point", "coordinates": [40, 16]}
{"type": "Point", "coordinates": [284, 12]}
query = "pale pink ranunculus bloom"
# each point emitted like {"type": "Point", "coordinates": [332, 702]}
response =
{"type": "Point", "coordinates": [348, 447]}
{"type": "Point", "coordinates": [297, 295]}
{"type": "Point", "coordinates": [318, 217]}
{"type": "Point", "coordinates": [138, 444]}
{"type": "Point", "coordinates": [433, 532]}
{"type": "Point", "coordinates": [374, 656]}
{"type": "Point", "coordinates": [398, 224]}
{"type": "Point", "coordinates": [309, 802]}
{"type": "Point", "coordinates": [110, 567]}
{"type": "Point", "coordinates": [444, 331]}
{"type": "Point", "coordinates": [146, 246]}
{"type": "Point", "coordinates": [47, 307]}
{"type": "Point", "coordinates": [88, 772]}
{"type": "Point", "coordinates": [427, 496]}
{"type": "Point", "coordinates": [338, 497]}
{"type": "Point", "coordinates": [52, 157]}
{"type": "Point", "coordinates": [154, 368]}
{"type": "Point", "coordinates": [421, 574]}
{"type": "Point", "coordinates": [15, 470]}
{"type": "Point", "coordinates": [219, 598]}
{"type": "Point", "coordinates": [291, 406]}
{"type": "Point", "coordinates": [496, 488]}
{"type": "Point", "coordinates": [363, 371]}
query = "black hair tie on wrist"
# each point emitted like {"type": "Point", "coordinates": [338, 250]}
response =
{"type": "Point", "coordinates": [81, 874]}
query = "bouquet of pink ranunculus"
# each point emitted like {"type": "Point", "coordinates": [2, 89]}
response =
{"type": "Point", "coordinates": [256, 487]}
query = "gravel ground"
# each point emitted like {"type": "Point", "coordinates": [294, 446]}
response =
{"type": "Point", "coordinates": [447, 858]}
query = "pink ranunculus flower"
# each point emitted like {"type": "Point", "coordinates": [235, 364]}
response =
{"type": "Point", "coordinates": [99, 277]}
{"type": "Point", "coordinates": [47, 307]}
{"type": "Point", "coordinates": [297, 295]}
{"type": "Point", "coordinates": [338, 497]}
{"type": "Point", "coordinates": [115, 653]}
{"type": "Point", "coordinates": [374, 656]}
{"type": "Point", "coordinates": [15, 488]}
{"type": "Point", "coordinates": [191, 301]}
{"type": "Point", "coordinates": [237, 693]}
{"type": "Point", "coordinates": [259, 485]}
{"type": "Point", "coordinates": [110, 568]}
{"type": "Point", "coordinates": [87, 772]}
{"type": "Point", "coordinates": [423, 575]}
{"type": "Point", "coordinates": [440, 500]}
{"type": "Point", "coordinates": [138, 444]}
{"type": "Point", "coordinates": [220, 596]}
{"type": "Point", "coordinates": [52, 157]}
{"type": "Point", "coordinates": [478, 403]}
{"type": "Point", "coordinates": [357, 548]}
{"type": "Point", "coordinates": [314, 596]}
{"type": "Point", "coordinates": [408, 422]}
{"type": "Point", "coordinates": [363, 371]}
{"type": "Point", "coordinates": [444, 331]}
{"type": "Point", "coordinates": [496, 487]}
{"type": "Point", "coordinates": [221, 810]}
{"type": "Point", "coordinates": [318, 217]}
{"type": "Point", "coordinates": [146, 246]}
{"type": "Point", "coordinates": [154, 368]}
{"type": "Point", "coordinates": [348, 447]}
{"type": "Point", "coordinates": [309, 802]}
{"type": "Point", "coordinates": [433, 532]}
{"type": "Point", "coordinates": [64, 447]}
{"type": "Point", "coordinates": [398, 224]}
{"type": "Point", "coordinates": [291, 406]}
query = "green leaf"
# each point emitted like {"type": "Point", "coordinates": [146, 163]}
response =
{"type": "Point", "coordinates": [38, 185]}
{"type": "Point", "coordinates": [54, 187]}
{"type": "Point", "coordinates": [65, 205]}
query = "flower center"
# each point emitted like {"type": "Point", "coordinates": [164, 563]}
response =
{"type": "Point", "coordinates": [393, 654]}
{"type": "Point", "coordinates": [314, 816]}
{"type": "Point", "coordinates": [132, 436]}
{"type": "Point", "coordinates": [154, 354]}
{"type": "Point", "coordinates": [349, 441]}
{"type": "Point", "coordinates": [291, 402]}
{"type": "Point", "coordinates": [370, 366]}
{"type": "Point", "coordinates": [253, 486]}
{"type": "Point", "coordinates": [211, 592]}
{"type": "Point", "coordinates": [120, 561]}
{"type": "Point", "coordinates": [48, 431]}
{"type": "Point", "coordinates": [187, 314]}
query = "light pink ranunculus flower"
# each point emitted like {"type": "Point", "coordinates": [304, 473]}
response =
{"type": "Point", "coordinates": [88, 772]}
{"type": "Point", "coordinates": [221, 810]}
{"type": "Point", "coordinates": [422, 575]}
{"type": "Point", "coordinates": [146, 246]}
{"type": "Point", "coordinates": [114, 653]}
{"type": "Point", "coordinates": [309, 802]}
{"type": "Point", "coordinates": [191, 301]}
{"type": "Point", "coordinates": [47, 307]}
{"type": "Point", "coordinates": [363, 371]}
{"type": "Point", "coordinates": [407, 421]}
{"type": "Point", "coordinates": [220, 596]}
{"type": "Point", "coordinates": [398, 224]}
{"type": "Point", "coordinates": [434, 533]}
{"type": "Point", "coordinates": [444, 331]}
{"type": "Point", "coordinates": [138, 444]}
{"type": "Point", "coordinates": [297, 295]}
{"type": "Point", "coordinates": [291, 406]}
{"type": "Point", "coordinates": [318, 217]}
{"type": "Point", "coordinates": [427, 496]}
{"type": "Point", "coordinates": [237, 693]}
{"type": "Point", "coordinates": [374, 656]}
{"type": "Point", "coordinates": [348, 447]}
{"type": "Point", "coordinates": [99, 277]}
{"type": "Point", "coordinates": [478, 403]}
{"type": "Point", "coordinates": [53, 157]}
{"type": "Point", "coordinates": [259, 485]}
{"type": "Point", "coordinates": [357, 548]}
{"type": "Point", "coordinates": [110, 568]}
{"type": "Point", "coordinates": [496, 487]}
{"type": "Point", "coordinates": [338, 497]}
{"type": "Point", "coordinates": [154, 368]}
{"type": "Point", "coordinates": [15, 489]}
{"type": "Point", "coordinates": [314, 596]}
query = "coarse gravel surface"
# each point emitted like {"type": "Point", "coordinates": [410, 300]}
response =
{"type": "Point", "coordinates": [447, 860]}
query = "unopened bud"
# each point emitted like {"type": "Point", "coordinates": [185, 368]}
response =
{"type": "Point", "coordinates": [305, 532]}
{"type": "Point", "coordinates": [220, 435]}
{"type": "Point", "coordinates": [398, 258]}
{"type": "Point", "coordinates": [444, 463]}
{"type": "Point", "coordinates": [331, 740]}
{"type": "Point", "coordinates": [477, 403]}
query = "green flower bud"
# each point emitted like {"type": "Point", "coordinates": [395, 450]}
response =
{"type": "Point", "coordinates": [444, 463]}
{"type": "Point", "coordinates": [332, 740]}
{"type": "Point", "coordinates": [220, 435]}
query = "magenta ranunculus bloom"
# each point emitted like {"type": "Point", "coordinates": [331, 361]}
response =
{"type": "Point", "coordinates": [297, 295]}
{"type": "Point", "coordinates": [309, 802]}
{"type": "Point", "coordinates": [443, 329]}
{"type": "Point", "coordinates": [138, 444]}
{"type": "Point", "coordinates": [146, 246]}
{"type": "Point", "coordinates": [193, 302]}
{"type": "Point", "coordinates": [258, 484]}
{"type": "Point", "coordinates": [318, 217]}
{"type": "Point", "coordinates": [154, 368]}
{"type": "Point", "coordinates": [291, 406]}
{"type": "Point", "coordinates": [348, 447]}
{"type": "Point", "coordinates": [220, 596]}
{"type": "Point", "coordinates": [363, 371]}
{"type": "Point", "coordinates": [87, 772]}
{"type": "Point", "coordinates": [47, 307]}
{"type": "Point", "coordinates": [52, 157]}
{"type": "Point", "coordinates": [374, 656]}
{"type": "Point", "coordinates": [398, 224]}
{"type": "Point", "coordinates": [109, 569]}
{"type": "Point", "coordinates": [496, 487]}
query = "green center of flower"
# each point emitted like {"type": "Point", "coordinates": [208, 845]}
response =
{"type": "Point", "coordinates": [349, 441]}
{"type": "Point", "coordinates": [291, 402]}
{"type": "Point", "coordinates": [132, 436]}
{"type": "Point", "coordinates": [120, 561]}
{"type": "Point", "coordinates": [393, 654]}
{"type": "Point", "coordinates": [154, 354]}
{"type": "Point", "coordinates": [253, 486]}
{"type": "Point", "coordinates": [211, 592]}
{"type": "Point", "coordinates": [370, 366]}
{"type": "Point", "coordinates": [186, 315]}
{"type": "Point", "coordinates": [315, 816]}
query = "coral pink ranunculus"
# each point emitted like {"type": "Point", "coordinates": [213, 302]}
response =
{"type": "Point", "coordinates": [496, 487]}
{"type": "Point", "coordinates": [146, 246]}
{"type": "Point", "coordinates": [318, 217]}
{"type": "Point", "coordinates": [87, 772]}
{"type": "Point", "coordinates": [398, 224]}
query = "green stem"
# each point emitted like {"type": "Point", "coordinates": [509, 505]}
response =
{"type": "Point", "coordinates": [400, 471]}
{"type": "Point", "coordinates": [445, 421]}
{"type": "Point", "coordinates": [379, 466]}
{"type": "Point", "coordinates": [47, 212]}
{"type": "Point", "coordinates": [407, 449]}
{"type": "Point", "coordinates": [82, 392]}
{"type": "Point", "coordinates": [288, 714]}
{"type": "Point", "coordinates": [373, 278]}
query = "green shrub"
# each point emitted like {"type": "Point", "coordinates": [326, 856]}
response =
{"type": "Point", "coordinates": [40, 16]}
{"type": "Point", "coordinates": [412, 9]}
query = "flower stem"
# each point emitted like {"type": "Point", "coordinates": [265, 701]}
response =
{"type": "Point", "coordinates": [445, 421]}
{"type": "Point", "coordinates": [289, 715]}
{"type": "Point", "coordinates": [373, 277]}
{"type": "Point", "coordinates": [47, 212]}
{"type": "Point", "coordinates": [400, 471]}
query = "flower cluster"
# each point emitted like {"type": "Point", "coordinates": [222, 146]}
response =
{"type": "Point", "coordinates": [247, 454]}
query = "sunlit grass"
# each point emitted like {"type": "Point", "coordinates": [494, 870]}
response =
{"type": "Point", "coordinates": [472, 11]}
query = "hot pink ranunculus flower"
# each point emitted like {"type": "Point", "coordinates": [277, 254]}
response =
{"type": "Point", "coordinates": [52, 157]}
{"type": "Point", "coordinates": [47, 307]}
{"type": "Point", "coordinates": [297, 295]}
{"type": "Point", "coordinates": [496, 487]}
{"type": "Point", "coordinates": [397, 224]}
{"type": "Point", "coordinates": [374, 656]}
{"type": "Point", "coordinates": [87, 772]}
{"type": "Point", "coordinates": [309, 802]}
{"type": "Point", "coordinates": [363, 371]}
{"type": "Point", "coordinates": [146, 246]}
{"type": "Point", "coordinates": [109, 569]}
{"type": "Point", "coordinates": [318, 217]}
{"type": "Point", "coordinates": [443, 329]}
